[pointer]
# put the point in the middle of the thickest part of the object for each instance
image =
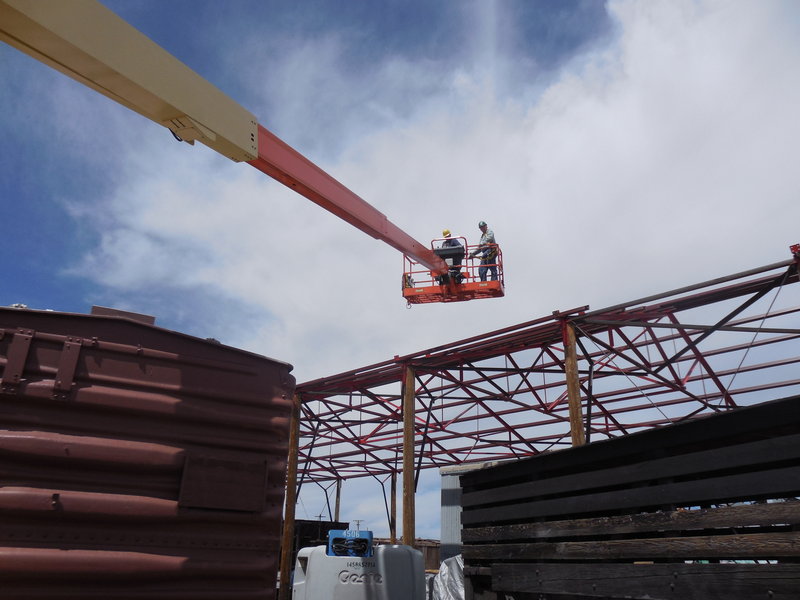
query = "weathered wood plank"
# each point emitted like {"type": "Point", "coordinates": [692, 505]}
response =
{"type": "Point", "coordinates": [749, 546]}
{"type": "Point", "coordinates": [779, 416]}
{"type": "Point", "coordinates": [773, 483]}
{"type": "Point", "coordinates": [728, 457]}
{"type": "Point", "coordinates": [677, 520]}
{"type": "Point", "coordinates": [478, 587]}
{"type": "Point", "coordinates": [653, 582]}
{"type": "Point", "coordinates": [679, 466]}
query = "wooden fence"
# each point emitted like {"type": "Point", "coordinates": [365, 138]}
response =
{"type": "Point", "coordinates": [701, 510]}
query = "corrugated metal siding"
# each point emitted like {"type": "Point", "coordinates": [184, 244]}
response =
{"type": "Point", "coordinates": [137, 462]}
{"type": "Point", "coordinates": [451, 515]}
{"type": "Point", "coordinates": [451, 506]}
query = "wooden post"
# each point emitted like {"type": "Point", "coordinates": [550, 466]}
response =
{"type": "Point", "coordinates": [287, 540]}
{"type": "Point", "coordinates": [393, 510]}
{"type": "Point", "coordinates": [408, 457]}
{"type": "Point", "coordinates": [573, 386]}
{"type": "Point", "coordinates": [338, 500]}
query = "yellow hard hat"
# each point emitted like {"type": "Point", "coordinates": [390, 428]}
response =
{"type": "Point", "coordinates": [446, 232]}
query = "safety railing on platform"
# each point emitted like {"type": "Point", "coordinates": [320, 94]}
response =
{"type": "Point", "coordinates": [475, 271]}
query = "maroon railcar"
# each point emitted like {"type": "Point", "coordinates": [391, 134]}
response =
{"type": "Point", "coordinates": [137, 462]}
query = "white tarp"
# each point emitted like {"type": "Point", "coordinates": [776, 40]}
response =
{"type": "Point", "coordinates": [449, 583]}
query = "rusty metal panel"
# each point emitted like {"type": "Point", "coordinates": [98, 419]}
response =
{"type": "Point", "coordinates": [115, 312]}
{"type": "Point", "coordinates": [137, 462]}
{"type": "Point", "coordinates": [227, 484]}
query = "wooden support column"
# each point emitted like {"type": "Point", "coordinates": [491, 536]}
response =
{"type": "Point", "coordinates": [338, 500]}
{"type": "Point", "coordinates": [393, 510]}
{"type": "Point", "coordinates": [408, 457]}
{"type": "Point", "coordinates": [573, 386]}
{"type": "Point", "coordinates": [287, 540]}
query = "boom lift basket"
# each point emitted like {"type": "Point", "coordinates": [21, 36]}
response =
{"type": "Point", "coordinates": [462, 282]}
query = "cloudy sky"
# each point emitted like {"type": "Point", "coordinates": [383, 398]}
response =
{"type": "Point", "coordinates": [617, 150]}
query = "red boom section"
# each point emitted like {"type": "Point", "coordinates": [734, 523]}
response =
{"type": "Point", "coordinates": [285, 164]}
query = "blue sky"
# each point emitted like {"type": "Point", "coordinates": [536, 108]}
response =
{"type": "Point", "coordinates": [617, 149]}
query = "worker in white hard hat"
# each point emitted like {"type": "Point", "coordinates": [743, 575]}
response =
{"type": "Point", "coordinates": [487, 248]}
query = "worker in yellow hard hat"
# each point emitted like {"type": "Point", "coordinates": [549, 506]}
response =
{"type": "Point", "coordinates": [454, 262]}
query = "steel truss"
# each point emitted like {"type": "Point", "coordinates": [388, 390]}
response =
{"type": "Point", "coordinates": [705, 348]}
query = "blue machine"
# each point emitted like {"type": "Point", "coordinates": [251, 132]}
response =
{"type": "Point", "coordinates": [349, 542]}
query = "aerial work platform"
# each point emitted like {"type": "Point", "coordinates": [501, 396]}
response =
{"type": "Point", "coordinates": [463, 279]}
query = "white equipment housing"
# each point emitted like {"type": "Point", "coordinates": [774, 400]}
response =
{"type": "Point", "coordinates": [392, 573]}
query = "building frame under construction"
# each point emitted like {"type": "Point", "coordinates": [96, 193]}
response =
{"type": "Point", "coordinates": [564, 379]}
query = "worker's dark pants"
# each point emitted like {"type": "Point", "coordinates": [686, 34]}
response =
{"type": "Point", "coordinates": [488, 264]}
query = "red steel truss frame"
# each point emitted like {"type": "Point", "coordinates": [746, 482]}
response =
{"type": "Point", "coordinates": [704, 348]}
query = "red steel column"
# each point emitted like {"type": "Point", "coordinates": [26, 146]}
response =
{"type": "Point", "coordinates": [393, 511]}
